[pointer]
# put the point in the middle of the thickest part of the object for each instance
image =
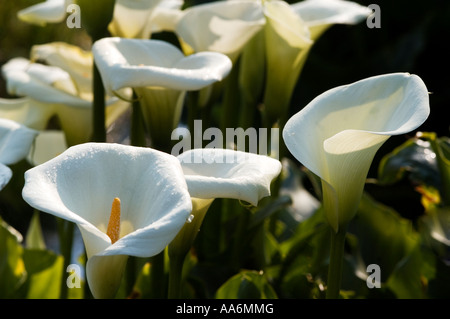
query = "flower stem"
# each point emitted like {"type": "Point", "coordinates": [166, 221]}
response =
{"type": "Point", "coordinates": [137, 123]}
{"type": "Point", "coordinates": [336, 262]}
{"type": "Point", "coordinates": [175, 275]}
{"type": "Point", "coordinates": [99, 130]}
{"type": "Point", "coordinates": [65, 232]}
{"type": "Point", "coordinates": [158, 276]}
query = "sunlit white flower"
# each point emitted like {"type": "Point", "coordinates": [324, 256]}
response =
{"type": "Point", "coordinates": [290, 33]}
{"type": "Point", "coordinates": [15, 143]}
{"type": "Point", "coordinates": [337, 134]}
{"type": "Point", "coordinates": [220, 26]}
{"type": "Point", "coordinates": [222, 173]}
{"type": "Point", "coordinates": [319, 15]}
{"type": "Point", "coordinates": [47, 145]}
{"type": "Point", "coordinates": [50, 11]}
{"type": "Point", "coordinates": [126, 201]}
{"type": "Point", "coordinates": [62, 88]}
{"type": "Point", "coordinates": [132, 18]}
{"type": "Point", "coordinates": [159, 73]}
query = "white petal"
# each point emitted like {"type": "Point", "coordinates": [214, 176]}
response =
{"type": "Point", "coordinates": [70, 58]}
{"type": "Point", "coordinates": [15, 141]}
{"type": "Point", "coordinates": [142, 63]}
{"type": "Point", "coordinates": [221, 26]}
{"type": "Point", "coordinates": [132, 18]}
{"type": "Point", "coordinates": [47, 145]}
{"type": "Point", "coordinates": [5, 175]}
{"type": "Point", "coordinates": [319, 12]}
{"type": "Point", "coordinates": [50, 11]}
{"type": "Point", "coordinates": [390, 104]}
{"type": "Point", "coordinates": [104, 275]}
{"type": "Point", "coordinates": [287, 24]}
{"type": "Point", "coordinates": [42, 83]}
{"type": "Point", "coordinates": [223, 173]}
{"type": "Point", "coordinates": [80, 185]}
{"type": "Point", "coordinates": [27, 112]}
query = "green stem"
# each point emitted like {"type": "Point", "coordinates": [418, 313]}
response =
{"type": "Point", "coordinates": [65, 232]}
{"type": "Point", "coordinates": [157, 276]}
{"type": "Point", "coordinates": [98, 116]}
{"type": "Point", "coordinates": [137, 123]}
{"type": "Point", "coordinates": [231, 100]}
{"type": "Point", "coordinates": [175, 275]}
{"type": "Point", "coordinates": [240, 234]}
{"type": "Point", "coordinates": [193, 109]}
{"type": "Point", "coordinates": [336, 262]}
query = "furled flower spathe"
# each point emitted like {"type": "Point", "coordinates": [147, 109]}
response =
{"type": "Point", "coordinates": [337, 134]}
{"type": "Point", "coordinates": [160, 75]}
{"type": "Point", "coordinates": [15, 143]}
{"type": "Point", "coordinates": [62, 87]}
{"type": "Point", "coordinates": [222, 173]}
{"type": "Point", "coordinates": [220, 26]}
{"type": "Point", "coordinates": [290, 33]}
{"type": "Point", "coordinates": [126, 201]}
{"type": "Point", "coordinates": [50, 11]}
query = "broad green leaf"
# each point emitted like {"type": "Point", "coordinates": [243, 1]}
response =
{"type": "Point", "coordinates": [246, 285]}
{"type": "Point", "coordinates": [35, 238]}
{"type": "Point", "coordinates": [407, 280]}
{"type": "Point", "coordinates": [415, 158]}
{"type": "Point", "coordinates": [305, 257]}
{"type": "Point", "coordinates": [384, 237]}
{"type": "Point", "coordinates": [441, 147]}
{"type": "Point", "coordinates": [12, 268]}
{"type": "Point", "coordinates": [45, 274]}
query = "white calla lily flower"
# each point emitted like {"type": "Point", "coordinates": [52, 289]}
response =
{"type": "Point", "coordinates": [62, 88]}
{"type": "Point", "coordinates": [154, 63]}
{"type": "Point", "coordinates": [47, 145]}
{"type": "Point", "coordinates": [290, 34]}
{"type": "Point", "coordinates": [15, 143]}
{"type": "Point", "coordinates": [212, 173]}
{"type": "Point", "coordinates": [224, 173]}
{"type": "Point", "coordinates": [132, 18]}
{"type": "Point", "coordinates": [149, 196]}
{"type": "Point", "coordinates": [220, 26]}
{"type": "Point", "coordinates": [319, 15]}
{"type": "Point", "coordinates": [50, 11]}
{"type": "Point", "coordinates": [160, 74]}
{"type": "Point", "coordinates": [337, 134]}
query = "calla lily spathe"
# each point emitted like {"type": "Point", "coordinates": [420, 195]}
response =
{"type": "Point", "coordinates": [224, 173]}
{"type": "Point", "coordinates": [81, 185]}
{"type": "Point", "coordinates": [62, 88]}
{"type": "Point", "coordinates": [135, 19]}
{"type": "Point", "coordinates": [319, 15]}
{"type": "Point", "coordinates": [50, 11]}
{"type": "Point", "coordinates": [160, 74]}
{"type": "Point", "coordinates": [338, 133]}
{"type": "Point", "coordinates": [131, 19]}
{"type": "Point", "coordinates": [15, 143]}
{"type": "Point", "coordinates": [290, 33]}
{"type": "Point", "coordinates": [220, 26]}
{"type": "Point", "coordinates": [154, 63]}
{"type": "Point", "coordinates": [212, 173]}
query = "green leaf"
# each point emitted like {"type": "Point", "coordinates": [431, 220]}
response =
{"type": "Point", "coordinates": [12, 268]}
{"type": "Point", "coordinates": [34, 237]}
{"type": "Point", "coordinates": [441, 147]}
{"type": "Point", "coordinates": [415, 158]}
{"type": "Point", "coordinates": [45, 274]}
{"type": "Point", "coordinates": [384, 237]}
{"type": "Point", "coordinates": [246, 285]}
